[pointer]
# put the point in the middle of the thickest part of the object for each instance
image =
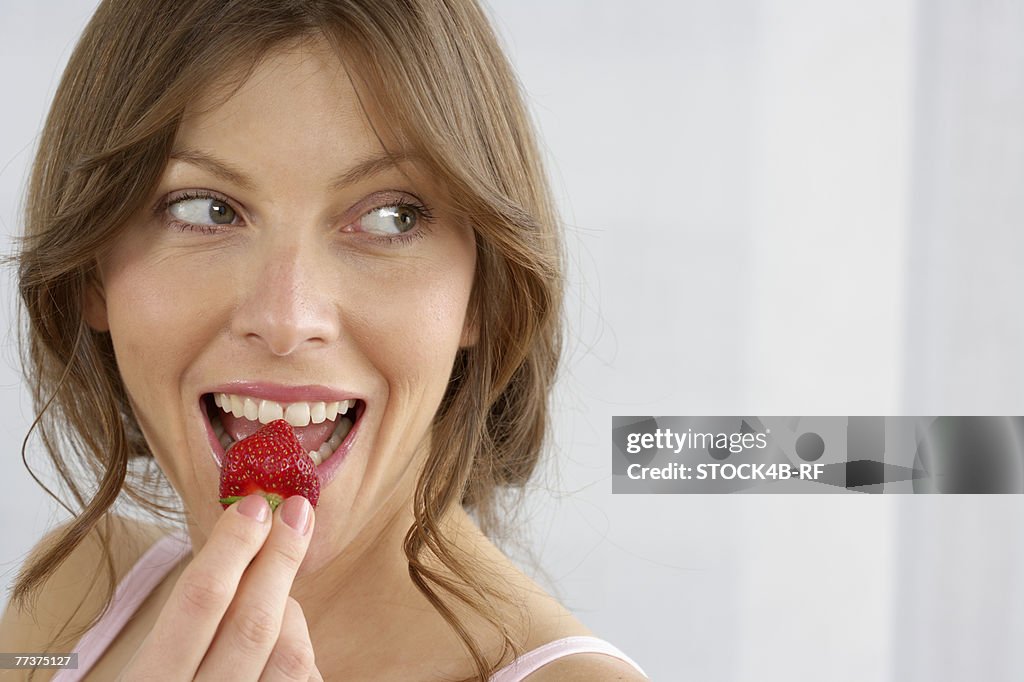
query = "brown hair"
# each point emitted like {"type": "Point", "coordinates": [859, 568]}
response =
{"type": "Point", "coordinates": [450, 97]}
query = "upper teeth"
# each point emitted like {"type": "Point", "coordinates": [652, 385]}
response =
{"type": "Point", "coordinates": [266, 411]}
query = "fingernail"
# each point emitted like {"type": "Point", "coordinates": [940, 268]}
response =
{"type": "Point", "coordinates": [295, 511]}
{"type": "Point", "coordinates": [255, 507]}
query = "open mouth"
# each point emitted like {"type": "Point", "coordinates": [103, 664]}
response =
{"type": "Point", "coordinates": [322, 427]}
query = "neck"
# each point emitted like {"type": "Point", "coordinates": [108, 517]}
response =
{"type": "Point", "coordinates": [368, 620]}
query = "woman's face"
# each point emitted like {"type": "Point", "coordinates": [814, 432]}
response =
{"type": "Point", "coordinates": [287, 261]}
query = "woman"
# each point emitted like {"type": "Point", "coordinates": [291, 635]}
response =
{"type": "Point", "coordinates": [331, 211]}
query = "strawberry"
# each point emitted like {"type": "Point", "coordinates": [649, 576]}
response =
{"type": "Point", "coordinates": [270, 462]}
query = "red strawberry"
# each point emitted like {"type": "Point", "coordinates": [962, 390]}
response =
{"type": "Point", "coordinates": [270, 462]}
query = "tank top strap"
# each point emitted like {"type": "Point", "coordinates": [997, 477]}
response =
{"type": "Point", "coordinates": [533, 660]}
{"type": "Point", "coordinates": [148, 572]}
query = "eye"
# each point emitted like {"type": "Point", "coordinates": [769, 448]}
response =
{"type": "Point", "coordinates": [397, 219]}
{"type": "Point", "coordinates": [202, 211]}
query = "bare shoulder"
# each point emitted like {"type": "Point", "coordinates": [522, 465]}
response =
{"type": "Point", "coordinates": [546, 621]}
{"type": "Point", "coordinates": [76, 592]}
{"type": "Point", "coordinates": [552, 622]}
{"type": "Point", "coordinates": [586, 667]}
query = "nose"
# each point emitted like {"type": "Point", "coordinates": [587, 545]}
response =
{"type": "Point", "coordinates": [287, 304]}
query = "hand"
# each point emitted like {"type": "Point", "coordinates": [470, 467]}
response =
{"type": "Point", "coordinates": [229, 616]}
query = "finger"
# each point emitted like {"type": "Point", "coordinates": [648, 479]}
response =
{"type": "Point", "coordinates": [252, 624]}
{"type": "Point", "coordinates": [293, 657]}
{"type": "Point", "coordinates": [189, 620]}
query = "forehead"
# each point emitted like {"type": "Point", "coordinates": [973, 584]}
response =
{"type": "Point", "coordinates": [296, 114]}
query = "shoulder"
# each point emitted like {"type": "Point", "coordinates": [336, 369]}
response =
{"type": "Point", "coordinates": [77, 591]}
{"type": "Point", "coordinates": [545, 620]}
{"type": "Point", "coordinates": [586, 667]}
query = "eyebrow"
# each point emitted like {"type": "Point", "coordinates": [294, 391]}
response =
{"type": "Point", "coordinates": [222, 169]}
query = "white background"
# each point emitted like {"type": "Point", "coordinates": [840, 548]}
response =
{"type": "Point", "coordinates": [773, 207]}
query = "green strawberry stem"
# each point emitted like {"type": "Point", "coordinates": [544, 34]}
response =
{"type": "Point", "coordinates": [273, 499]}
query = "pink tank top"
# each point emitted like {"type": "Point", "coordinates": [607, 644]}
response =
{"type": "Point", "coordinates": [153, 566]}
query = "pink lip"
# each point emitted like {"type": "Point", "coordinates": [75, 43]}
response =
{"type": "Point", "coordinates": [283, 394]}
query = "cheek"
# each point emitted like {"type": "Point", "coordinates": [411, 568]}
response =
{"type": "Point", "coordinates": [157, 327]}
{"type": "Point", "coordinates": [155, 322]}
{"type": "Point", "coordinates": [413, 325]}
{"type": "Point", "coordinates": [413, 317]}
